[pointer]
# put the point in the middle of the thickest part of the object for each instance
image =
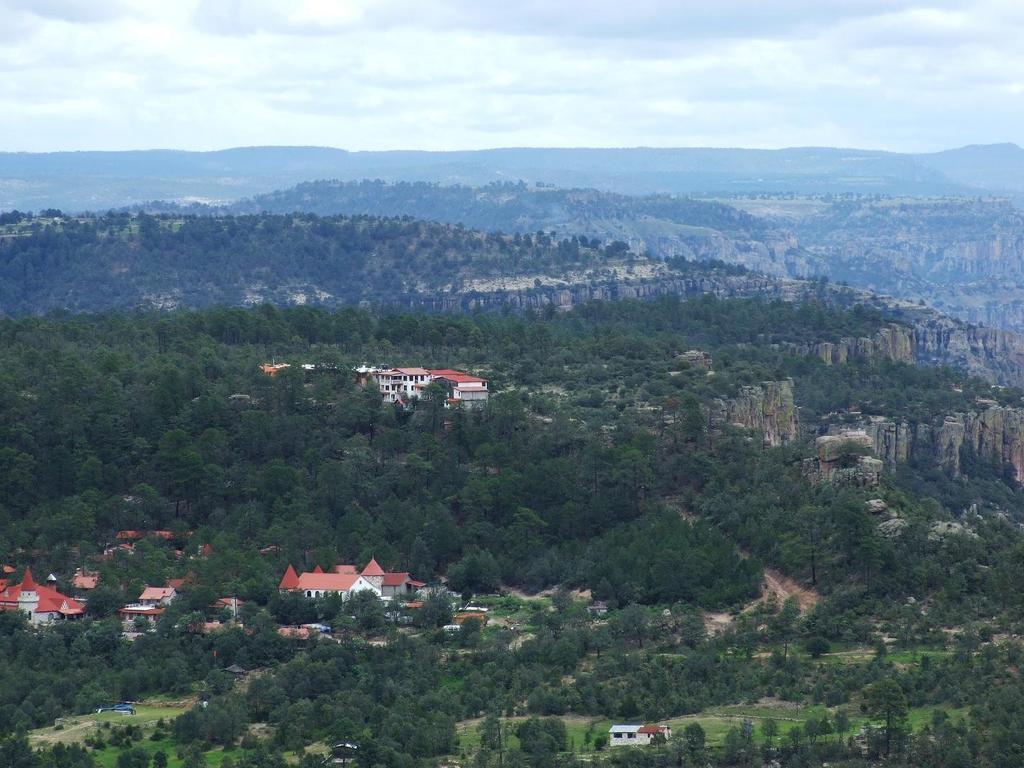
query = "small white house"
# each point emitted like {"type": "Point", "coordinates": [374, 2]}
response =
{"type": "Point", "coordinates": [637, 735]}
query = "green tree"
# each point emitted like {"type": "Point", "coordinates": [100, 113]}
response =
{"type": "Point", "coordinates": [886, 701]}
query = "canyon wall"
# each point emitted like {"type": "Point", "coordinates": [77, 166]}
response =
{"type": "Point", "coordinates": [918, 334]}
{"type": "Point", "coordinates": [992, 433]}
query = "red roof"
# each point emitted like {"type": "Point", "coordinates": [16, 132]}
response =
{"type": "Point", "coordinates": [373, 568]}
{"type": "Point", "coordinates": [345, 569]}
{"type": "Point", "coordinates": [50, 600]}
{"type": "Point", "coordinates": [290, 580]}
{"type": "Point", "coordinates": [227, 602]}
{"type": "Point", "coordinates": [318, 569]}
{"type": "Point", "coordinates": [459, 377]}
{"type": "Point", "coordinates": [156, 593]}
{"type": "Point", "coordinates": [652, 729]}
{"type": "Point", "coordinates": [85, 579]}
{"type": "Point", "coordinates": [400, 579]}
{"type": "Point", "coordinates": [175, 584]}
{"type": "Point", "coordinates": [325, 582]}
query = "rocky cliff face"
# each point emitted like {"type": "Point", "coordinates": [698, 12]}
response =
{"type": "Point", "coordinates": [964, 257]}
{"type": "Point", "coordinates": [992, 433]}
{"type": "Point", "coordinates": [767, 407]}
{"type": "Point", "coordinates": [566, 296]}
{"type": "Point", "coordinates": [991, 354]}
{"type": "Point", "coordinates": [777, 253]}
{"type": "Point", "coordinates": [920, 335]}
{"type": "Point", "coordinates": [893, 342]}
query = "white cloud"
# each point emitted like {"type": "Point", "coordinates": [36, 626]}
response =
{"type": "Point", "coordinates": [381, 74]}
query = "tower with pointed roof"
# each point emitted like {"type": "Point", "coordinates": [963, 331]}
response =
{"type": "Point", "coordinates": [28, 598]}
{"type": "Point", "coordinates": [290, 580]}
{"type": "Point", "coordinates": [374, 574]}
{"type": "Point", "coordinates": [42, 603]}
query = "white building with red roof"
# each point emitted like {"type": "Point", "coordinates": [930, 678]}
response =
{"type": "Point", "coordinates": [638, 735]}
{"type": "Point", "coordinates": [346, 580]}
{"type": "Point", "coordinates": [463, 388]}
{"type": "Point", "coordinates": [400, 385]}
{"type": "Point", "coordinates": [42, 604]}
{"type": "Point", "coordinates": [156, 596]}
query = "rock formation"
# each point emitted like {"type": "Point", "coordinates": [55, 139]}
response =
{"type": "Point", "coordinates": [992, 433]}
{"type": "Point", "coordinates": [843, 459]}
{"type": "Point", "coordinates": [767, 408]}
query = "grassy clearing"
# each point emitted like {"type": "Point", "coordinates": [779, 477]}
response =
{"type": "Point", "coordinates": [576, 727]}
{"type": "Point", "coordinates": [107, 758]}
{"type": "Point", "coordinates": [864, 655]}
{"type": "Point", "coordinates": [77, 729]}
{"type": "Point", "coordinates": [716, 722]}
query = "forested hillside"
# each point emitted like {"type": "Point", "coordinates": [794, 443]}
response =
{"type": "Point", "coordinates": [119, 261]}
{"type": "Point", "coordinates": [601, 469]}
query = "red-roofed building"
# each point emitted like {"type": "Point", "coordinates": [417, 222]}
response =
{"type": "Point", "coordinates": [136, 611]}
{"type": "Point", "coordinates": [42, 604]}
{"type": "Point", "coordinates": [637, 735]}
{"type": "Point", "coordinates": [231, 604]}
{"type": "Point", "coordinates": [289, 581]}
{"type": "Point", "coordinates": [400, 385]}
{"type": "Point", "coordinates": [272, 369]}
{"type": "Point", "coordinates": [345, 579]}
{"type": "Point", "coordinates": [157, 596]}
{"type": "Point", "coordinates": [85, 580]}
{"type": "Point", "coordinates": [374, 574]}
{"type": "Point", "coordinates": [399, 585]}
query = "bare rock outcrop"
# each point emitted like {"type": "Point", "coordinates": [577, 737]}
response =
{"type": "Point", "coordinates": [992, 433]}
{"type": "Point", "coordinates": [843, 459]}
{"type": "Point", "coordinates": [768, 408]}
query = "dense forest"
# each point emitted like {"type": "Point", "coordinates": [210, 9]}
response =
{"type": "Point", "coordinates": [596, 471]}
{"type": "Point", "coordinates": [505, 207]}
{"type": "Point", "coordinates": [53, 262]}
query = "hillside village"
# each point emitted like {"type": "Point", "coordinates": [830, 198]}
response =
{"type": "Point", "coordinates": [627, 546]}
{"type": "Point", "coordinates": [45, 604]}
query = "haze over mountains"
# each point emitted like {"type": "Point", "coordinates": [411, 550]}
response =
{"type": "Point", "coordinates": [941, 228]}
{"type": "Point", "coordinates": [101, 180]}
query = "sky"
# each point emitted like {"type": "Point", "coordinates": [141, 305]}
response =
{"type": "Point", "coordinates": [454, 74]}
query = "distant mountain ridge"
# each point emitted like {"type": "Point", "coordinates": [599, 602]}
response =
{"type": "Point", "coordinates": [100, 180]}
